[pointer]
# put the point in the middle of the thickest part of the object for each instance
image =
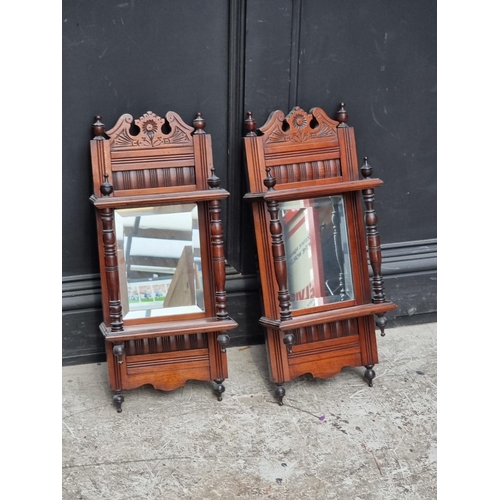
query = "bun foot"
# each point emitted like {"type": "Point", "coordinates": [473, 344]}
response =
{"type": "Point", "coordinates": [279, 392]}
{"type": "Point", "coordinates": [219, 389]}
{"type": "Point", "coordinates": [369, 375]}
{"type": "Point", "coordinates": [118, 400]}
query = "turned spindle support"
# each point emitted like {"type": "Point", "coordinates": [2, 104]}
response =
{"type": "Point", "coordinates": [278, 249]}
{"type": "Point", "coordinates": [111, 267]}
{"type": "Point", "coordinates": [217, 243]}
{"type": "Point", "coordinates": [374, 251]}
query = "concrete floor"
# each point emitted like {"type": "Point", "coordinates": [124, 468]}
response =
{"type": "Point", "coordinates": [332, 439]}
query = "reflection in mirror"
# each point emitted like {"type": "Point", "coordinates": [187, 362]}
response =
{"type": "Point", "coordinates": [159, 260]}
{"type": "Point", "coordinates": [317, 251]}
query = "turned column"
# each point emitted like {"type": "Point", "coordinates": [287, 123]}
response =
{"type": "Point", "coordinates": [217, 242]}
{"type": "Point", "coordinates": [374, 251]}
{"type": "Point", "coordinates": [278, 249]}
{"type": "Point", "coordinates": [111, 261]}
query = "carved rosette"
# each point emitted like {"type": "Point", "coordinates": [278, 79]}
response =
{"type": "Point", "coordinates": [299, 126]}
{"type": "Point", "coordinates": [150, 131]}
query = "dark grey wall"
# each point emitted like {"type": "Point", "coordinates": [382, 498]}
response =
{"type": "Point", "coordinates": [226, 58]}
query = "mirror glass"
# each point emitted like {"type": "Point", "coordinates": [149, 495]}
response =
{"type": "Point", "coordinates": [159, 261]}
{"type": "Point", "coordinates": [317, 251]}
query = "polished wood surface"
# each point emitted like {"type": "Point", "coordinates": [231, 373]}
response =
{"type": "Point", "coordinates": [299, 156]}
{"type": "Point", "coordinates": [152, 162]}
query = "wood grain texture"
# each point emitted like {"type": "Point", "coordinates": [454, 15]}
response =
{"type": "Point", "coordinates": [161, 161]}
{"type": "Point", "coordinates": [306, 155]}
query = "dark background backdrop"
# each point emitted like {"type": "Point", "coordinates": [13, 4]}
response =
{"type": "Point", "coordinates": [223, 58]}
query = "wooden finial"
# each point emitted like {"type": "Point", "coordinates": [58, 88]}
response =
{"type": "Point", "coordinates": [106, 188]}
{"type": "Point", "coordinates": [251, 125]}
{"type": "Point", "coordinates": [199, 124]}
{"type": "Point", "coordinates": [223, 340]}
{"type": "Point", "coordinates": [98, 129]}
{"type": "Point", "coordinates": [269, 181]}
{"type": "Point", "coordinates": [342, 115]}
{"type": "Point", "coordinates": [213, 180]}
{"type": "Point", "coordinates": [366, 169]}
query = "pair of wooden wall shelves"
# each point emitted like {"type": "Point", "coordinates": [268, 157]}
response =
{"type": "Point", "coordinates": [161, 248]}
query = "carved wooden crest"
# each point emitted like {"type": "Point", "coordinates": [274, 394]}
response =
{"type": "Point", "coordinates": [299, 126]}
{"type": "Point", "coordinates": [150, 131]}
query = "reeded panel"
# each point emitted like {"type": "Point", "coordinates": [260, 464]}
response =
{"type": "Point", "coordinates": [307, 171]}
{"type": "Point", "coordinates": [154, 178]}
{"type": "Point", "coordinates": [171, 343]}
{"type": "Point", "coordinates": [326, 331]}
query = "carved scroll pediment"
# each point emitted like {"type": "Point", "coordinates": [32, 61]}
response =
{"type": "Point", "coordinates": [299, 126]}
{"type": "Point", "coordinates": [150, 133]}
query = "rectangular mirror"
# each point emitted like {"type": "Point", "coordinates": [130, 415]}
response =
{"type": "Point", "coordinates": [159, 261]}
{"type": "Point", "coordinates": [317, 251]}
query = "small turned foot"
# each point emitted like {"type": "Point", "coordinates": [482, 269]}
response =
{"type": "Point", "coordinates": [118, 400]}
{"type": "Point", "coordinates": [279, 392]}
{"type": "Point", "coordinates": [369, 375]}
{"type": "Point", "coordinates": [219, 389]}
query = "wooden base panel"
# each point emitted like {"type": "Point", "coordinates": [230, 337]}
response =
{"type": "Point", "coordinates": [169, 378]}
{"type": "Point", "coordinates": [167, 370]}
{"type": "Point", "coordinates": [325, 367]}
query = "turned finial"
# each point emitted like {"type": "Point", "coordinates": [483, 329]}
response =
{"type": "Point", "coordinates": [213, 180]}
{"type": "Point", "coordinates": [251, 125]}
{"type": "Point", "coordinates": [119, 351]}
{"type": "Point", "coordinates": [342, 115]}
{"type": "Point", "coordinates": [106, 188]}
{"type": "Point", "coordinates": [366, 169]}
{"type": "Point", "coordinates": [98, 128]}
{"type": "Point", "coordinates": [199, 124]}
{"type": "Point", "coordinates": [381, 322]}
{"type": "Point", "coordinates": [289, 340]}
{"type": "Point", "coordinates": [269, 181]}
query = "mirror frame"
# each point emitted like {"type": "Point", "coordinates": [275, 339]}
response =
{"type": "Point", "coordinates": [299, 156]}
{"type": "Point", "coordinates": [166, 162]}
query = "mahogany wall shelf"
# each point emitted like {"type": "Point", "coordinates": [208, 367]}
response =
{"type": "Point", "coordinates": [307, 196]}
{"type": "Point", "coordinates": [161, 249]}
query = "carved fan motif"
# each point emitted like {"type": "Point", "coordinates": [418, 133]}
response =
{"type": "Point", "coordinates": [302, 126]}
{"type": "Point", "coordinates": [150, 133]}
